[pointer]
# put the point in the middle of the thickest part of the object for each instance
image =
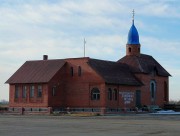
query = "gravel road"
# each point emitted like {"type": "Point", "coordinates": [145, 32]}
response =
{"type": "Point", "coordinates": [122, 125]}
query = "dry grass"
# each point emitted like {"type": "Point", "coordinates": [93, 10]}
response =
{"type": "Point", "coordinates": [4, 105]}
{"type": "Point", "coordinates": [83, 114]}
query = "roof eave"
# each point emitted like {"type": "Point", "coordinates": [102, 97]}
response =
{"type": "Point", "coordinates": [124, 84]}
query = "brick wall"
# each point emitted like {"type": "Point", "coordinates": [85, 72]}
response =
{"type": "Point", "coordinates": [160, 89]}
{"type": "Point", "coordinates": [28, 102]}
{"type": "Point", "coordinates": [78, 88]}
{"type": "Point", "coordinates": [58, 81]}
{"type": "Point", "coordinates": [132, 49]}
{"type": "Point", "coordinates": [121, 102]}
{"type": "Point", "coordinates": [75, 91]}
{"type": "Point", "coordinates": [125, 96]}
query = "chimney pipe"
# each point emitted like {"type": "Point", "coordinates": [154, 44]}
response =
{"type": "Point", "coordinates": [45, 57]}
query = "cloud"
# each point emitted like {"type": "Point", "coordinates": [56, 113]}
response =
{"type": "Point", "coordinates": [31, 28]}
{"type": "Point", "coordinates": [160, 8]}
{"type": "Point", "coordinates": [161, 46]}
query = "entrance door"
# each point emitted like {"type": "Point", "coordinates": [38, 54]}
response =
{"type": "Point", "coordinates": [138, 98]}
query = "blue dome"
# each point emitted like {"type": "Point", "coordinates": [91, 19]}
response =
{"type": "Point", "coordinates": [133, 36]}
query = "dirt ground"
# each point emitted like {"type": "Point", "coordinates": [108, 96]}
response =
{"type": "Point", "coordinates": [122, 125]}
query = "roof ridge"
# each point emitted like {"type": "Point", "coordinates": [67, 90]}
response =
{"type": "Point", "coordinates": [103, 60]}
{"type": "Point", "coordinates": [44, 60]}
{"type": "Point", "coordinates": [140, 67]}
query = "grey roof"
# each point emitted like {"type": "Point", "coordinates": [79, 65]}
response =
{"type": "Point", "coordinates": [144, 64]}
{"type": "Point", "coordinates": [40, 71]}
{"type": "Point", "coordinates": [113, 72]}
{"type": "Point", "coordinates": [121, 72]}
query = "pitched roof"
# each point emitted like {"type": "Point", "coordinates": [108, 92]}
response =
{"type": "Point", "coordinates": [36, 71]}
{"type": "Point", "coordinates": [113, 72]}
{"type": "Point", "coordinates": [144, 64]}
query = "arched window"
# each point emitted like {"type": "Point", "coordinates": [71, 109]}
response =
{"type": "Point", "coordinates": [79, 71]}
{"type": "Point", "coordinates": [95, 94]}
{"type": "Point", "coordinates": [153, 90]}
{"type": "Point", "coordinates": [165, 92]}
{"type": "Point", "coordinates": [129, 49]}
{"type": "Point", "coordinates": [115, 94]}
{"type": "Point", "coordinates": [109, 94]}
{"type": "Point", "coordinates": [138, 49]}
{"type": "Point", "coordinates": [72, 71]}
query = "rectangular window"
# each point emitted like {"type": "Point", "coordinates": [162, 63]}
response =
{"type": "Point", "coordinates": [54, 91]}
{"type": "Point", "coordinates": [39, 91]}
{"type": "Point", "coordinates": [24, 92]}
{"type": "Point", "coordinates": [16, 91]}
{"type": "Point", "coordinates": [32, 91]}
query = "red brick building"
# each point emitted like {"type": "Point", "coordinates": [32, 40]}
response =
{"type": "Point", "coordinates": [87, 84]}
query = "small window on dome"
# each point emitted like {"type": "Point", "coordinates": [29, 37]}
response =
{"type": "Point", "coordinates": [129, 49]}
{"type": "Point", "coordinates": [139, 49]}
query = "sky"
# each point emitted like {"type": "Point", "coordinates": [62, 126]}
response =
{"type": "Point", "coordinates": [31, 28]}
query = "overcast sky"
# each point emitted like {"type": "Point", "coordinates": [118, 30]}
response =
{"type": "Point", "coordinates": [31, 28]}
